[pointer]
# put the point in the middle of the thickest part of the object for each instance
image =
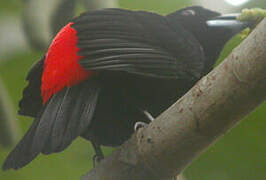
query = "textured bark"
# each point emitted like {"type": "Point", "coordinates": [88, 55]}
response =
{"type": "Point", "coordinates": [212, 107]}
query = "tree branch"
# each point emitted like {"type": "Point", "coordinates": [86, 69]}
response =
{"type": "Point", "coordinates": [212, 107]}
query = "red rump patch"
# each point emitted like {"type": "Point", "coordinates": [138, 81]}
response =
{"type": "Point", "coordinates": [61, 67]}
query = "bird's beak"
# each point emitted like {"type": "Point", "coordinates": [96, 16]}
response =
{"type": "Point", "coordinates": [228, 21]}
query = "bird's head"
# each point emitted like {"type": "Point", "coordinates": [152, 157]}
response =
{"type": "Point", "coordinates": [210, 28]}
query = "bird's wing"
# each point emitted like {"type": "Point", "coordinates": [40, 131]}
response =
{"type": "Point", "coordinates": [31, 103]}
{"type": "Point", "coordinates": [65, 116]}
{"type": "Point", "coordinates": [136, 42]}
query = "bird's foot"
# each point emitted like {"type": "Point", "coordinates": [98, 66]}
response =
{"type": "Point", "coordinates": [97, 159]}
{"type": "Point", "coordinates": [139, 125]}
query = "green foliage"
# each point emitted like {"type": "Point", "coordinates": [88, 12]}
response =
{"type": "Point", "coordinates": [254, 14]}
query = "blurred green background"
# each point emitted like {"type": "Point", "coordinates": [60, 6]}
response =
{"type": "Point", "coordinates": [240, 154]}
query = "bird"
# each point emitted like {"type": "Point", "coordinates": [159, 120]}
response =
{"type": "Point", "coordinates": [109, 69]}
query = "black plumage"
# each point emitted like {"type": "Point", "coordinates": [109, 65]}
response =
{"type": "Point", "coordinates": [141, 62]}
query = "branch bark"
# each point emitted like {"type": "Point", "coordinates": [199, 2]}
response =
{"type": "Point", "coordinates": [212, 107]}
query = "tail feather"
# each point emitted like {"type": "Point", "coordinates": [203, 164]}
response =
{"type": "Point", "coordinates": [22, 154]}
{"type": "Point", "coordinates": [57, 125]}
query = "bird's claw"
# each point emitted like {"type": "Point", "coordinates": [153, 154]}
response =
{"type": "Point", "coordinates": [139, 125]}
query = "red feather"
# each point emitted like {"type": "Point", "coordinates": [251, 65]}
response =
{"type": "Point", "coordinates": [61, 67]}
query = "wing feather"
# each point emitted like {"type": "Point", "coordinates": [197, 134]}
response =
{"type": "Point", "coordinates": [65, 116]}
{"type": "Point", "coordinates": [137, 42]}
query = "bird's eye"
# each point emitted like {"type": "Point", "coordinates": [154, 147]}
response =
{"type": "Point", "coordinates": [188, 12]}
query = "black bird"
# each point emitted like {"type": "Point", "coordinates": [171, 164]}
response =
{"type": "Point", "coordinates": [108, 69]}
